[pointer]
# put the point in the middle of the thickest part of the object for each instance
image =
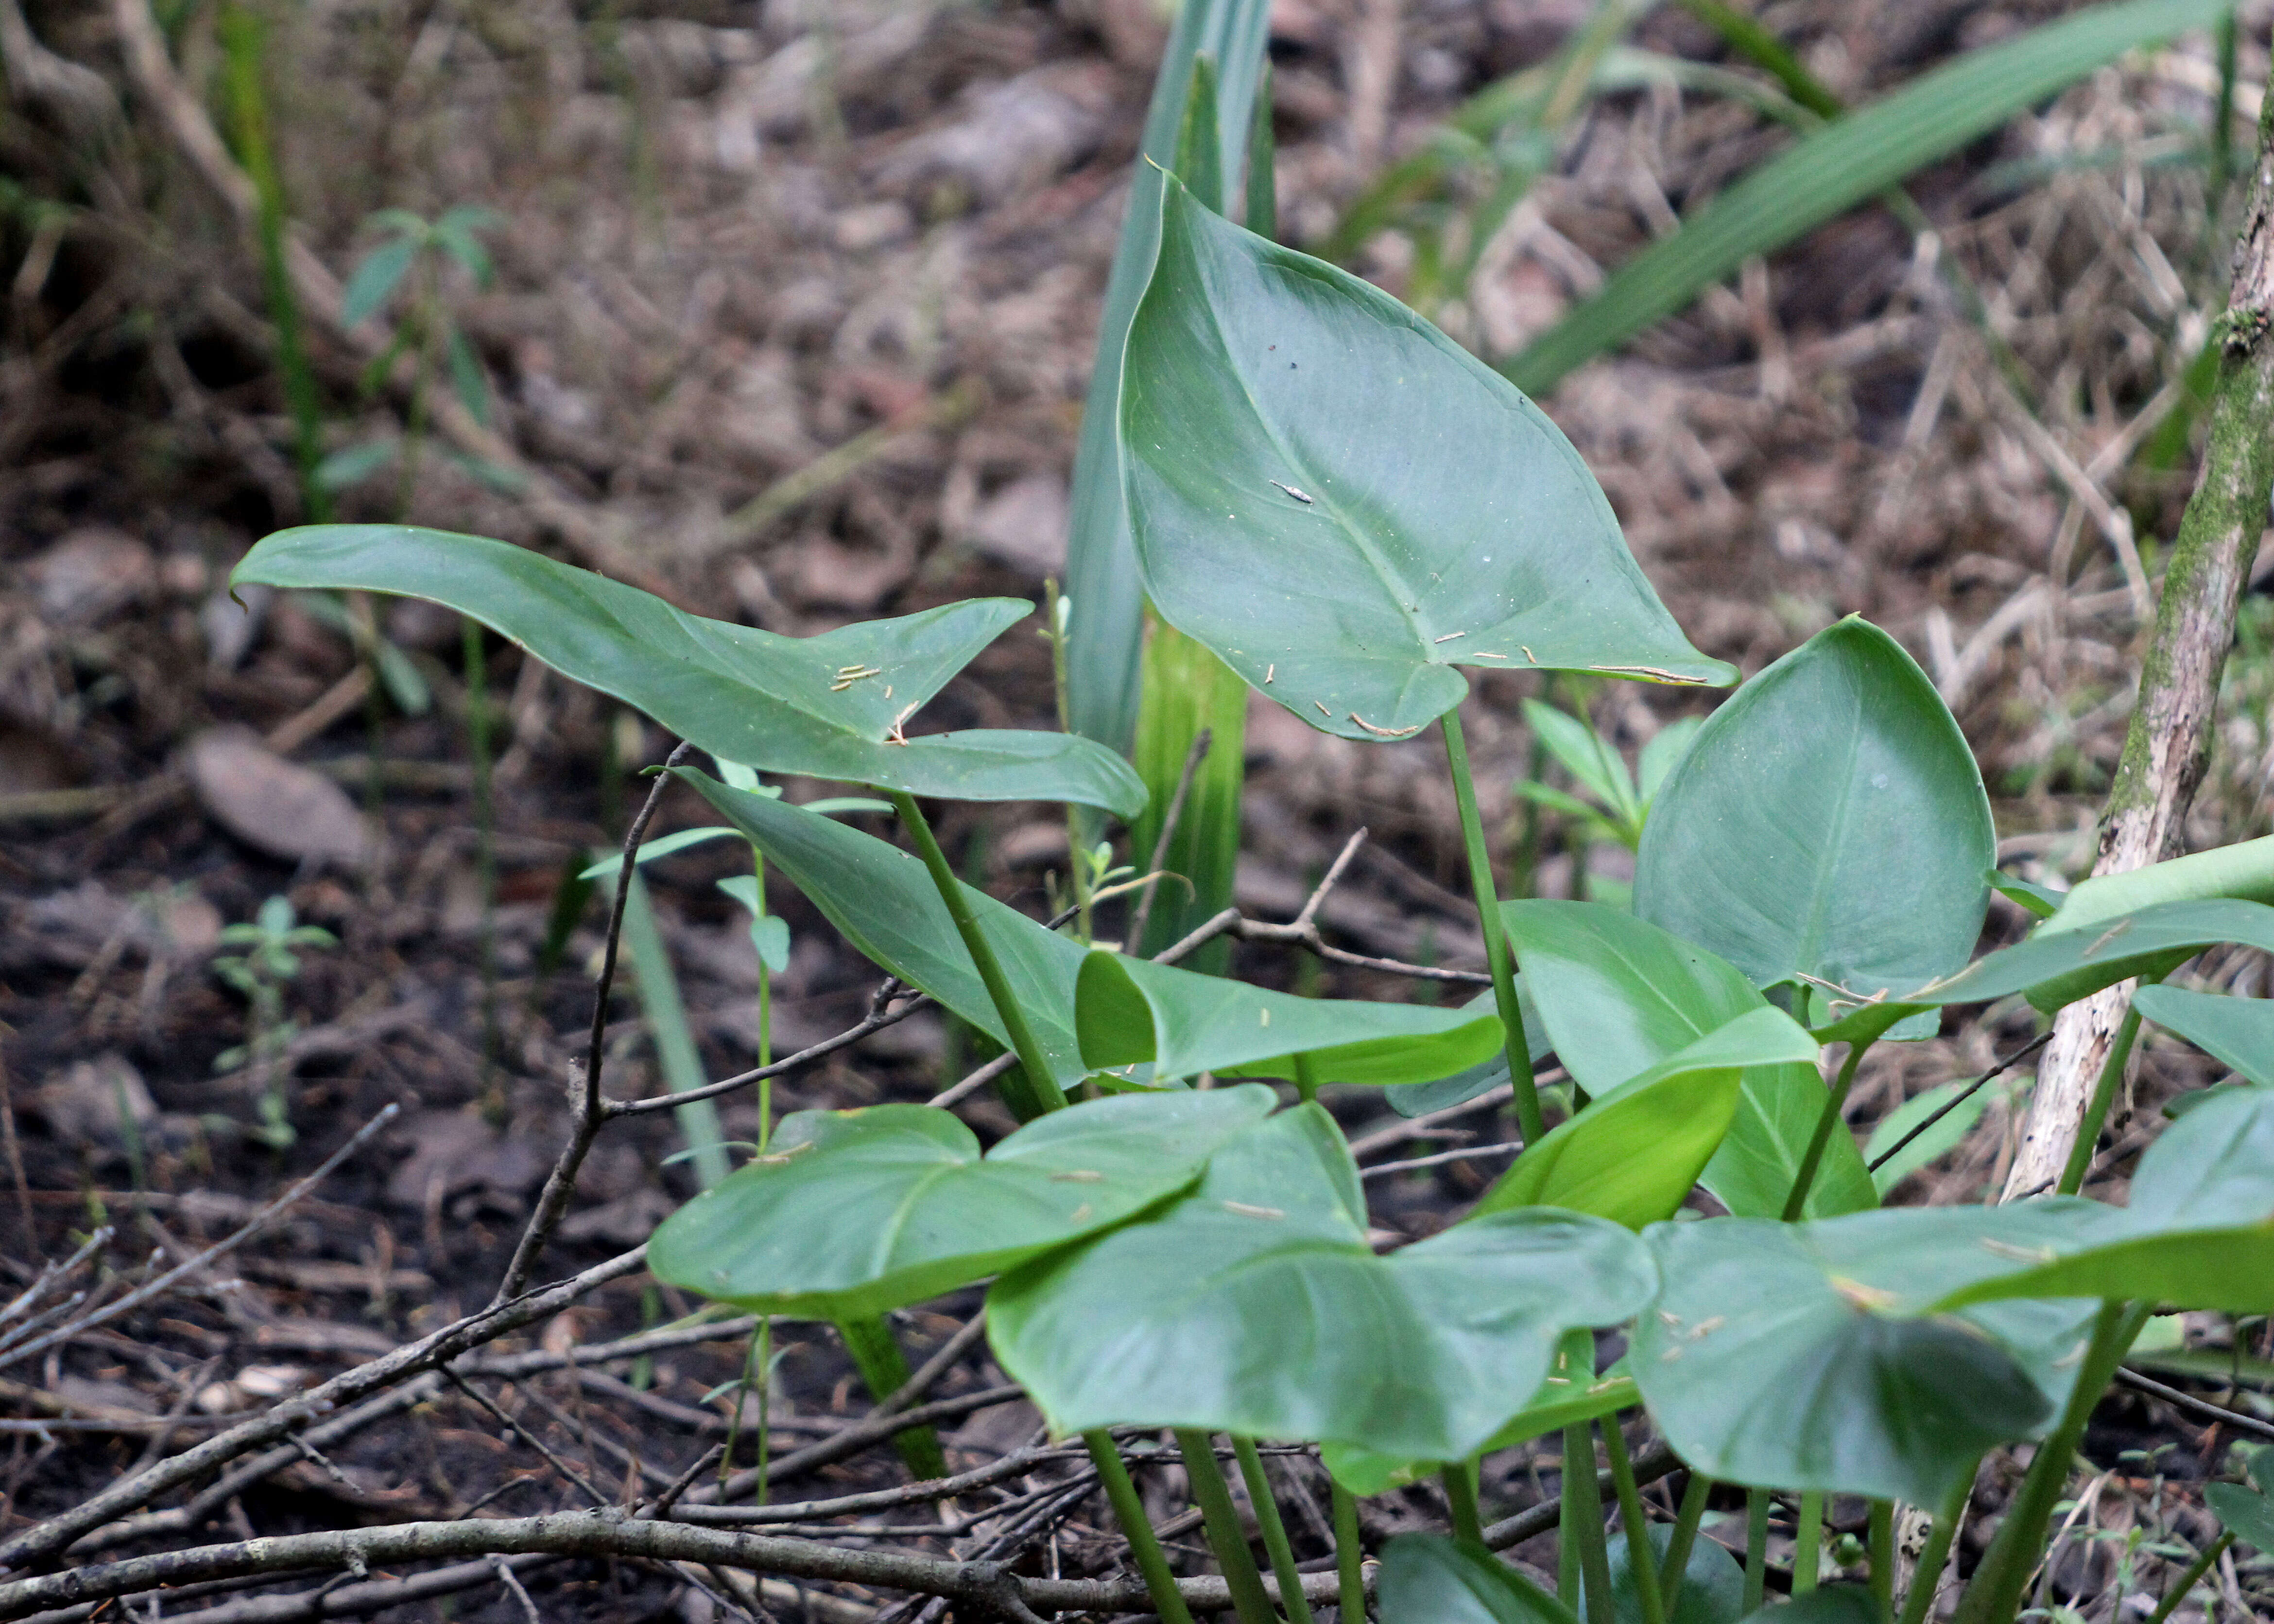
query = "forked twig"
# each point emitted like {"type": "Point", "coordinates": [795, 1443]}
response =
{"type": "Point", "coordinates": [1169, 821]}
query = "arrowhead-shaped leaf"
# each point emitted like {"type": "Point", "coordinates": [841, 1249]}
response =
{"type": "Point", "coordinates": [883, 901]}
{"type": "Point", "coordinates": [852, 1212]}
{"type": "Point", "coordinates": [2238, 1032]}
{"type": "Point", "coordinates": [1632, 1157]}
{"type": "Point", "coordinates": [1620, 996]}
{"type": "Point", "coordinates": [1764, 1366]}
{"type": "Point", "coordinates": [1345, 505]}
{"type": "Point", "coordinates": [1713, 1589]}
{"type": "Point", "coordinates": [1562, 1402]}
{"type": "Point", "coordinates": [1829, 824]}
{"type": "Point", "coordinates": [1429, 1579]}
{"type": "Point", "coordinates": [781, 705]}
{"type": "Point", "coordinates": [1254, 1305]}
{"type": "Point", "coordinates": [2248, 1517]}
{"type": "Point", "coordinates": [1134, 1012]}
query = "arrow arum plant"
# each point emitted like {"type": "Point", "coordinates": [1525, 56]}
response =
{"type": "Point", "coordinates": [1350, 513]}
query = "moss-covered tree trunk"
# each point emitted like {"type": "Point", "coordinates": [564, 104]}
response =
{"type": "Point", "coordinates": [2169, 744]}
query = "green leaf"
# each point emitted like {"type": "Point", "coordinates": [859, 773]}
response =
{"type": "Point", "coordinates": [1429, 1579]}
{"type": "Point", "coordinates": [665, 845]}
{"type": "Point", "coordinates": [1421, 1099]}
{"type": "Point", "coordinates": [1828, 824]}
{"type": "Point", "coordinates": [1256, 1305]}
{"type": "Point", "coordinates": [1131, 1011]}
{"type": "Point", "coordinates": [1713, 1589]}
{"type": "Point", "coordinates": [852, 1212]}
{"type": "Point", "coordinates": [468, 381]}
{"type": "Point", "coordinates": [2058, 967]}
{"type": "Point", "coordinates": [1633, 1155]}
{"type": "Point", "coordinates": [400, 676]}
{"type": "Point", "coordinates": [1932, 1145]}
{"type": "Point", "coordinates": [1560, 1402]}
{"type": "Point", "coordinates": [1762, 1369]}
{"type": "Point", "coordinates": [1619, 996]}
{"type": "Point", "coordinates": [782, 704]}
{"type": "Point", "coordinates": [1587, 758]}
{"type": "Point", "coordinates": [1830, 1604]}
{"type": "Point", "coordinates": [2244, 870]}
{"type": "Point", "coordinates": [1341, 571]}
{"type": "Point", "coordinates": [2238, 1032]}
{"type": "Point", "coordinates": [455, 231]}
{"type": "Point", "coordinates": [2037, 899]}
{"type": "Point", "coordinates": [1104, 644]}
{"type": "Point", "coordinates": [375, 279]}
{"type": "Point", "coordinates": [2248, 1517]}
{"type": "Point", "coordinates": [1847, 162]}
{"type": "Point", "coordinates": [883, 901]}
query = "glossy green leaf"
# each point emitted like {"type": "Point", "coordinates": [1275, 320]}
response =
{"type": "Point", "coordinates": [1662, 755]}
{"type": "Point", "coordinates": [664, 846]}
{"type": "Point", "coordinates": [1713, 1589]}
{"type": "Point", "coordinates": [1107, 632]}
{"type": "Point", "coordinates": [1829, 824]}
{"type": "Point", "coordinates": [782, 704]}
{"type": "Point", "coordinates": [1340, 570]}
{"type": "Point", "coordinates": [2238, 1032]}
{"type": "Point", "coordinates": [884, 903]}
{"type": "Point", "coordinates": [2038, 900]}
{"type": "Point", "coordinates": [1763, 1366]}
{"type": "Point", "coordinates": [1849, 160]}
{"type": "Point", "coordinates": [852, 1212]}
{"type": "Point", "coordinates": [1620, 996]}
{"type": "Point", "coordinates": [1254, 1305]}
{"type": "Point", "coordinates": [2057, 968]}
{"type": "Point", "coordinates": [1632, 1155]}
{"type": "Point", "coordinates": [1133, 1012]}
{"type": "Point", "coordinates": [1429, 1579]}
{"type": "Point", "coordinates": [2248, 1517]}
{"type": "Point", "coordinates": [1421, 1099]}
{"type": "Point", "coordinates": [1561, 1401]}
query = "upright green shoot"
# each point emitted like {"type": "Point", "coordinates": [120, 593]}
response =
{"type": "Point", "coordinates": [1497, 954]}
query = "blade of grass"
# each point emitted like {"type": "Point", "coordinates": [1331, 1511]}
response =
{"type": "Point", "coordinates": [1848, 161]}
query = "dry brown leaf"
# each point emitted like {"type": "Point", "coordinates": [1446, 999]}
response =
{"type": "Point", "coordinates": [271, 804]}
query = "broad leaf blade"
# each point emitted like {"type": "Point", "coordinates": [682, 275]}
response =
{"type": "Point", "coordinates": [2248, 1517]}
{"type": "Point", "coordinates": [1131, 1011]}
{"type": "Point", "coordinates": [1713, 1588]}
{"type": "Point", "coordinates": [853, 1213]}
{"type": "Point", "coordinates": [1561, 1401]}
{"type": "Point", "coordinates": [1850, 161]}
{"type": "Point", "coordinates": [1840, 777]}
{"type": "Point", "coordinates": [782, 704]}
{"type": "Point", "coordinates": [1340, 572]}
{"type": "Point", "coordinates": [1633, 1156]}
{"type": "Point", "coordinates": [2239, 1032]}
{"type": "Point", "coordinates": [1760, 1370]}
{"type": "Point", "coordinates": [884, 903]}
{"type": "Point", "coordinates": [1234, 1310]}
{"type": "Point", "coordinates": [1429, 1579]}
{"type": "Point", "coordinates": [1620, 996]}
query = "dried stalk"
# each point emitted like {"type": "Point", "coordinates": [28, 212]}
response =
{"type": "Point", "coordinates": [2168, 746]}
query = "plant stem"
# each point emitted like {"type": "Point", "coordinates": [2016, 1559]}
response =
{"type": "Point", "coordinates": [1349, 1556]}
{"type": "Point", "coordinates": [1879, 1541]}
{"type": "Point", "coordinates": [478, 751]}
{"type": "Point", "coordinates": [1827, 1120]}
{"type": "Point", "coordinates": [1582, 1519]}
{"type": "Point", "coordinates": [2187, 1581]}
{"type": "Point", "coordinates": [1077, 859]}
{"type": "Point", "coordinates": [1144, 1545]}
{"type": "Point", "coordinates": [1461, 1500]}
{"type": "Point", "coordinates": [1496, 948]}
{"type": "Point", "coordinates": [1635, 1522]}
{"type": "Point", "coordinates": [1675, 1567]}
{"type": "Point", "coordinates": [1994, 1594]}
{"type": "Point", "coordinates": [1926, 1575]}
{"type": "Point", "coordinates": [877, 1353]}
{"type": "Point", "coordinates": [2104, 1095]}
{"type": "Point", "coordinates": [1226, 1537]}
{"type": "Point", "coordinates": [1307, 1075]}
{"type": "Point", "coordinates": [1757, 1552]}
{"type": "Point", "coordinates": [1036, 1091]}
{"type": "Point", "coordinates": [1808, 1542]}
{"type": "Point", "coordinates": [1275, 1543]}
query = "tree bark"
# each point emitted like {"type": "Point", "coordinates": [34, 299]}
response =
{"type": "Point", "coordinates": [2168, 746]}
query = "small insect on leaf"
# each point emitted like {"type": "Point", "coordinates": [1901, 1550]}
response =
{"type": "Point", "coordinates": [1241, 1209]}
{"type": "Point", "coordinates": [1300, 496]}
